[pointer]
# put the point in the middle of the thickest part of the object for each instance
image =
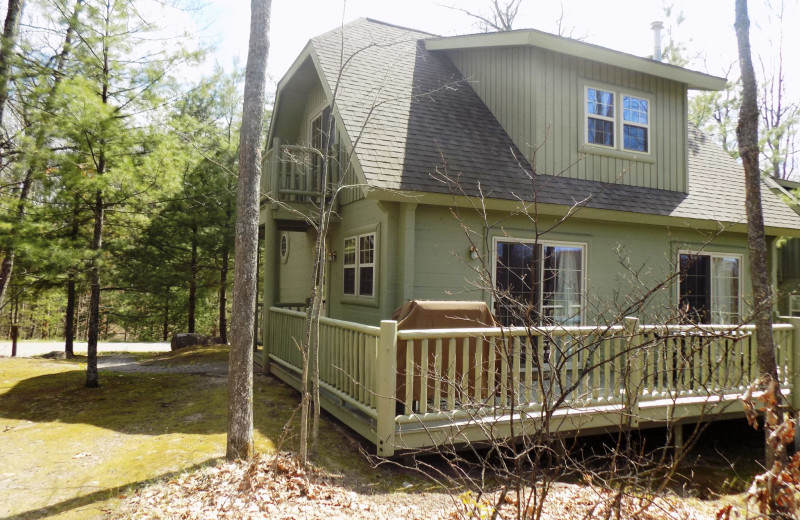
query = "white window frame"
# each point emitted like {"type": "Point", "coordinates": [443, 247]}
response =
{"type": "Point", "coordinates": [618, 121]}
{"type": "Point", "coordinates": [544, 243]}
{"type": "Point", "coordinates": [358, 265]}
{"type": "Point", "coordinates": [711, 255]}
{"type": "Point", "coordinates": [794, 305]}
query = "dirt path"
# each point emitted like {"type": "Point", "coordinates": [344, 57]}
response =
{"type": "Point", "coordinates": [127, 363]}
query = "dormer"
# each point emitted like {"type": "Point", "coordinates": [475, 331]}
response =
{"type": "Point", "coordinates": [583, 111]}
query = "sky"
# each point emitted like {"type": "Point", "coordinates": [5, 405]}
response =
{"type": "Point", "coordinates": [623, 25]}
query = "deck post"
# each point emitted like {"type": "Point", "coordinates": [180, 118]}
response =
{"type": "Point", "coordinates": [635, 358]}
{"type": "Point", "coordinates": [794, 362]}
{"type": "Point", "coordinates": [385, 387]}
{"type": "Point", "coordinates": [270, 288]}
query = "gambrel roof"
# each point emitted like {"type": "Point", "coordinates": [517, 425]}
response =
{"type": "Point", "coordinates": [414, 119]}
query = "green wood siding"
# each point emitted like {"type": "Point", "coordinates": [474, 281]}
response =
{"type": "Point", "coordinates": [538, 97]}
{"type": "Point", "coordinates": [613, 252]}
{"type": "Point", "coordinates": [298, 266]}
{"type": "Point", "coordinates": [315, 101]}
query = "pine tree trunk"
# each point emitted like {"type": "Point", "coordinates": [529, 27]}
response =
{"type": "Point", "coordinates": [69, 325]}
{"type": "Point", "coordinates": [223, 297]}
{"type": "Point", "coordinates": [747, 135]}
{"type": "Point", "coordinates": [92, 378]}
{"type": "Point", "coordinates": [7, 266]}
{"type": "Point", "coordinates": [240, 373]}
{"type": "Point", "coordinates": [10, 31]}
{"type": "Point", "coordinates": [193, 280]}
{"type": "Point", "coordinates": [165, 332]}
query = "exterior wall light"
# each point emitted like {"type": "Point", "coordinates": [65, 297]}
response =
{"type": "Point", "coordinates": [473, 252]}
{"type": "Point", "coordinates": [332, 256]}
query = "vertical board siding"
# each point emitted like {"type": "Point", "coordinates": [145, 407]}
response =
{"type": "Point", "coordinates": [537, 95]}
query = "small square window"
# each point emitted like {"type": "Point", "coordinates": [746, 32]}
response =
{"type": "Point", "coordinates": [602, 120]}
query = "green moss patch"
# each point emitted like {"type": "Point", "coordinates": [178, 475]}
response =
{"type": "Point", "coordinates": [71, 452]}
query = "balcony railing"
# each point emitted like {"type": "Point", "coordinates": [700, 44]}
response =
{"type": "Point", "coordinates": [295, 173]}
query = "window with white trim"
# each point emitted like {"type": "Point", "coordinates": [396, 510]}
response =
{"type": "Point", "coordinates": [603, 118]}
{"type": "Point", "coordinates": [710, 287]}
{"type": "Point", "coordinates": [539, 283]}
{"type": "Point", "coordinates": [359, 266]}
{"type": "Point", "coordinates": [794, 305]}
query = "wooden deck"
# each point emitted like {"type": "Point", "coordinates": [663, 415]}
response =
{"type": "Point", "coordinates": [412, 389]}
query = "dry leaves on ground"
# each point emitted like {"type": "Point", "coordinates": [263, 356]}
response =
{"type": "Point", "coordinates": [271, 486]}
{"type": "Point", "coordinates": [277, 487]}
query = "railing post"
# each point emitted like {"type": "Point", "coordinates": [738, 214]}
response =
{"type": "Point", "coordinates": [385, 387]}
{"type": "Point", "coordinates": [634, 361]}
{"type": "Point", "coordinates": [794, 362]}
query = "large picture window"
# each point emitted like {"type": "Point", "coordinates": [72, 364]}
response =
{"type": "Point", "coordinates": [710, 287]}
{"type": "Point", "coordinates": [359, 266]}
{"type": "Point", "coordinates": [603, 118]}
{"type": "Point", "coordinates": [539, 283]}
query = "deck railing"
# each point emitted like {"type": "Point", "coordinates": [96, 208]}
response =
{"type": "Point", "coordinates": [407, 384]}
{"type": "Point", "coordinates": [295, 173]}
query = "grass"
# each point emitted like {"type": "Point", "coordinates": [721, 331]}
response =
{"type": "Point", "coordinates": [71, 452]}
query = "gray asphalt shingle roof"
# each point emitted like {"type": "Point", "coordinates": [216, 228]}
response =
{"type": "Point", "coordinates": [415, 118]}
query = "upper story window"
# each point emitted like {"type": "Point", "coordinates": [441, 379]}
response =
{"type": "Point", "coordinates": [604, 118]}
{"type": "Point", "coordinates": [323, 130]}
{"type": "Point", "coordinates": [710, 287]}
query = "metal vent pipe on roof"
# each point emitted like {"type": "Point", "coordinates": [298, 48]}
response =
{"type": "Point", "coordinates": [657, 26]}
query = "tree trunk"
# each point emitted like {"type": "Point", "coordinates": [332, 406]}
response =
{"type": "Point", "coordinates": [747, 135]}
{"type": "Point", "coordinates": [193, 280]}
{"type": "Point", "coordinates": [223, 297]}
{"type": "Point", "coordinates": [69, 326]}
{"type": "Point", "coordinates": [165, 333]}
{"type": "Point", "coordinates": [7, 267]}
{"type": "Point", "coordinates": [240, 373]}
{"type": "Point", "coordinates": [92, 378]}
{"type": "Point", "coordinates": [10, 31]}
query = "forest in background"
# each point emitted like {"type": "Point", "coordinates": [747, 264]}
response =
{"type": "Point", "coordinates": [115, 173]}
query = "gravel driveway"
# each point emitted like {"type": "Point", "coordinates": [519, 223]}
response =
{"type": "Point", "coordinates": [37, 348]}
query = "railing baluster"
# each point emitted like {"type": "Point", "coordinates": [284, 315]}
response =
{"type": "Point", "coordinates": [423, 378]}
{"type": "Point", "coordinates": [451, 374]}
{"type": "Point", "coordinates": [437, 374]}
{"type": "Point", "coordinates": [516, 370]}
{"type": "Point", "coordinates": [409, 401]}
{"type": "Point", "coordinates": [478, 368]}
{"type": "Point", "coordinates": [504, 372]}
{"type": "Point", "coordinates": [528, 369]}
{"type": "Point", "coordinates": [464, 355]}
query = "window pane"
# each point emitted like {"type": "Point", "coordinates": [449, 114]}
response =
{"type": "Point", "coordinates": [635, 138]}
{"type": "Point", "coordinates": [635, 110]}
{"type": "Point", "coordinates": [349, 251]}
{"type": "Point", "coordinates": [349, 280]}
{"type": "Point", "coordinates": [695, 287]}
{"type": "Point", "coordinates": [725, 296]}
{"type": "Point", "coordinates": [600, 132]}
{"type": "Point", "coordinates": [367, 249]}
{"type": "Point", "coordinates": [561, 284]}
{"type": "Point", "coordinates": [365, 281]}
{"type": "Point", "coordinates": [514, 271]}
{"type": "Point", "coordinates": [599, 102]}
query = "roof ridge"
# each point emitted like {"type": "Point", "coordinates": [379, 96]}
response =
{"type": "Point", "coordinates": [373, 20]}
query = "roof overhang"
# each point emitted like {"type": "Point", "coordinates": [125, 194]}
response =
{"type": "Point", "coordinates": [583, 213]}
{"type": "Point", "coordinates": [534, 38]}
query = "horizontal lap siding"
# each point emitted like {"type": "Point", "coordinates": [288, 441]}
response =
{"type": "Point", "coordinates": [537, 96]}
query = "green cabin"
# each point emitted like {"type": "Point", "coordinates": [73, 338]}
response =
{"type": "Point", "coordinates": [527, 171]}
{"type": "Point", "coordinates": [583, 150]}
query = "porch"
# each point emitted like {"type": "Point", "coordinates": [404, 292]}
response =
{"type": "Point", "coordinates": [408, 389]}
